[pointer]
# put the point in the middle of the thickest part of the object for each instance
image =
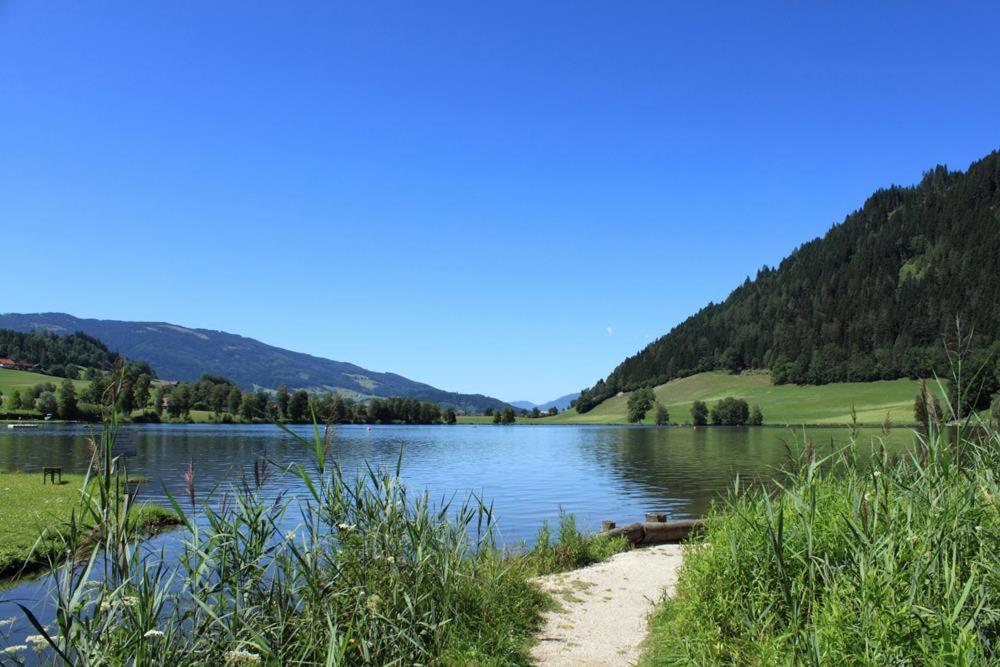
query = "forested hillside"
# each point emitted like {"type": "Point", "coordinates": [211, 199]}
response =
{"type": "Point", "coordinates": [56, 355]}
{"type": "Point", "coordinates": [868, 301]}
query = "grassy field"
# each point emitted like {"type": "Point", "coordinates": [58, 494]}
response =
{"type": "Point", "coordinates": [32, 510]}
{"type": "Point", "coordinates": [11, 380]}
{"type": "Point", "coordinates": [483, 419]}
{"type": "Point", "coordinates": [781, 404]}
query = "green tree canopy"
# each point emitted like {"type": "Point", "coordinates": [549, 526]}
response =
{"type": "Point", "coordinates": [297, 409]}
{"type": "Point", "coordinates": [730, 412]}
{"type": "Point", "coordinates": [662, 416]}
{"type": "Point", "coordinates": [699, 413]}
{"type": "Point", "coordinates": [46, 403]}
{"type": "Point", "coordinates": [66, 400]}
{"type": "Point", "coordinates": [639, 403]}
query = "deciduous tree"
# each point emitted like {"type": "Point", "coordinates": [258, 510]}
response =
{"type": "Point", "coordinates": [699, 413]}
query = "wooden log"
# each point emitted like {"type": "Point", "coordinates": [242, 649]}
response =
{"type": "Point", "coordinates": [670, 533]}
{"type": "Point", "coordinates": [632, 532]}
{"type": "Point", "coordinates": [658, 533]}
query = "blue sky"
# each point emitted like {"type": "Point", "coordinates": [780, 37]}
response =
{"type": "Point", "coordinates": [506, 198]}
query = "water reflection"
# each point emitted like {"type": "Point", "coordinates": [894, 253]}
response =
{"type": "Point", "coordinates": [527, 472]}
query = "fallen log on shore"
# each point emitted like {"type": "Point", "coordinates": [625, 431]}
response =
{"type": "Point", "coordinates": [658, 532]}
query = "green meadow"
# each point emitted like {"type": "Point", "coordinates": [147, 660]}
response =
{"type": "Point", "coordinates": [35, 516]}
{"type": "Point", "coordinates": [11, 380]}
{"type": "Point", "coordinates": [781, 404]}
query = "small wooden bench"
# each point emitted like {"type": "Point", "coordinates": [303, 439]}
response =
{"type": "Point", "coordinates": [51, 472]}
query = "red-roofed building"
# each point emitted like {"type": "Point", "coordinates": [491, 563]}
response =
{"type": "Point", "coordinates": [7, 362]}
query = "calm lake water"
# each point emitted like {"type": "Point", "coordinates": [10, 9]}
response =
{"type": "Point", "coordinates": [528, 472]}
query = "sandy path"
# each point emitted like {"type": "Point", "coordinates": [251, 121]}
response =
{"type": "Point", "coordinates": [603, 611]}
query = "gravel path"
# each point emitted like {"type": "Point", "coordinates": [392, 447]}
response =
{"type": "Point", "coordinates": [603, 608]}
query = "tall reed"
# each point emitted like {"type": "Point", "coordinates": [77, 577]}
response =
{"type": "Point", "coordinates": [897, 562]}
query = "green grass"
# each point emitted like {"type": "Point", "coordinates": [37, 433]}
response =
{"type": "Point", "coordinates": [482, 419]}
{"type": "Point", "coordinates": [569, 549]}
{"type": "Point", "coordinates": [11, 380]}
{"type": "Point", "coordinates": [34, 514]}
{"type": "Point", "coordinates": [893, 564]}
{"type": "Point", "coordinates": [781, 404]}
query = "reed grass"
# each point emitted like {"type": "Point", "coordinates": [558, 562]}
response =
{"type": "Point", "coordinates": [894, 563]}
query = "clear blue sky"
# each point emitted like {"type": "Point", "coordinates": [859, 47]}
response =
{"type": "Point", "coordinates": [505, 199]}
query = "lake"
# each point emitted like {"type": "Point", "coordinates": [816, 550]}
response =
{"type": "Point", "coordinates": [527, 472]}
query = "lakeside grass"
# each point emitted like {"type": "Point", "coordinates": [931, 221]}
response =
{"type": "Point", "coordinates": [34, 517]}
{"type": "Point", "coordinates": [781, 404]}
{"type": "Point", "coordinates": [896, 563]}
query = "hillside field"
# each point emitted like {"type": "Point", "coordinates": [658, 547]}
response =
{"type": "Point", "coordinates": [11, 380]}
{"type": "Point", "coordinates": [781, 404]}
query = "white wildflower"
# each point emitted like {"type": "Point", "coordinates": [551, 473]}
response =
{"type": "Point", "coordinates": [7, 621]}
{"type": "Point", "coordinates": [290, 536]}
{"type": "Point", "coordinates": [373, 602]}
{"type": "Point", "coordinates": [38, 642]}
{"type": "Point", "coordinates": [15, 649]}
{"type": "Point", "coordinates": [130, 601]}
{"type": "Point", "coordinates": [346, 527]}
{"type": "Point", "coordinates": [106, 606]}
{"type": "Point", "coordinates": [153, 634]}
{"type": "Point", "coordinates": [241, 657]}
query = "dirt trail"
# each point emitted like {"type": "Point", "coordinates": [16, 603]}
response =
{"type": "Point", "coordinates": [603, 609]}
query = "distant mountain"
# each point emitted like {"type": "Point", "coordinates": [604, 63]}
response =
{"type": "Point", "coordinates": [561, 403]}
{"type": "Point", "coordinates": [181, 353]}
{"type": "Point", "coordinates": [868, 301]}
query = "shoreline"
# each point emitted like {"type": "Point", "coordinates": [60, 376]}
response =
{"type": "Point", "coordinates": [35, 518]}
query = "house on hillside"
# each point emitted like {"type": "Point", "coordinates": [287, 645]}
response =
{"type": "Point", "coordinates": [7, 362]}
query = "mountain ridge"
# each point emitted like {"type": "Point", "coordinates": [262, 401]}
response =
{"type": "Point", "coordinates": [184, 353]}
